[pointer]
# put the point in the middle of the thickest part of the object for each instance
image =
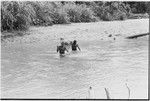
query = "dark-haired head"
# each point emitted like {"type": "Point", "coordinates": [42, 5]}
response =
{"type": "Point", "coordinates": [74, 42]}
{"type": "Point", "coordinates": [62, 44]}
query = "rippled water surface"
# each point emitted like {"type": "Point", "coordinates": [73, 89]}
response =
{"type": "Point", "coordinates": [30, 71]}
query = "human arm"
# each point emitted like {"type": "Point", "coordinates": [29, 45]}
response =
{"type": "Point", "coordinates": [57, 48]}
{"type": "Point", "coordinates": [78, 47]}
{"type": "Point", "coordinates": [66, 49]}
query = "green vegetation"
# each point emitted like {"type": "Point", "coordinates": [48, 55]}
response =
{"type": "Point", "coordinates": [17, 15]}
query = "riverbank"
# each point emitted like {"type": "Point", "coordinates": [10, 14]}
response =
{"type": "Point", "coordinates": [51, 13]}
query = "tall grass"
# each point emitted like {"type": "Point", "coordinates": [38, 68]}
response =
{"type": "Point", "coordinates": [59, 16]}
{"type": "Point", "coordinates": [17, 15]}
{"type": "Point", "coordinates": [14, 16]}
{"type": "Point", "coordinates": [41, 14]}
{"type": "Point", "coordinates": [109, 11]}
{"type": "Point", "coordinates": [79, 13]}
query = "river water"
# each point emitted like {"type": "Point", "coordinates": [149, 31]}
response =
{"type": "Point", "coordinates": [32, 71]}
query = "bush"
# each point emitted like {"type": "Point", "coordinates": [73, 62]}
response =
{"type": "Point", "coordinates": [41, 16]}
{"type": "Point", "coordinates": [111, 11]}
{"type": "Point", "coordinates": [59, 16]}
{"type": "Point", "coordinates": [79, 13]}
{"type": "Point", "coordinates": [20, 15]}
{"type": "Point", "coordinates": [138, 16]}
{"type": "Point", "coordinates": [87, 15]}
{"type": "Point", "coordinates": [14, 16]}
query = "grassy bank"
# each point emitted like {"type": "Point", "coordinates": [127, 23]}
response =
{"type": "Point", "coordinates": [19, 16]}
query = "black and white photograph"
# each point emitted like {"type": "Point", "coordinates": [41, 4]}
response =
{"type": "Point", "coordinates": [74, 49]}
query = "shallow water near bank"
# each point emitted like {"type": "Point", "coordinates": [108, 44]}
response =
{"type": "Point", "coordinates": [32, 71]}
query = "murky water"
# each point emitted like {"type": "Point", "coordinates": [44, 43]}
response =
{"type": "Point", "coordinates": [31, 71]}
{"type": "Point", "coordinates": [31, 68]}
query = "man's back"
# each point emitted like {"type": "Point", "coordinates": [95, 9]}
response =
{"type": "Point", "coordinates": [74, 47]}
{"type": "Point", "coordinates": [61, 49]}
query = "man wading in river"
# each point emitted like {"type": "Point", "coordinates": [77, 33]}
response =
{"type": "Point", "coordinates": [61, 49]}
{"type": "Point", "coordinates": [74, 46]}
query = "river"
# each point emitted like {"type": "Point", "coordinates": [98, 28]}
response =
{"type": "Point", "coordinates": [37, 71]}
